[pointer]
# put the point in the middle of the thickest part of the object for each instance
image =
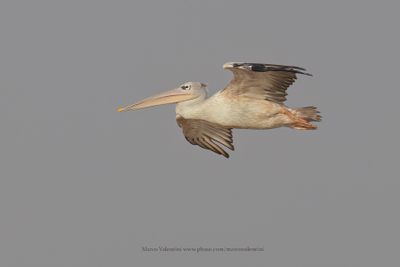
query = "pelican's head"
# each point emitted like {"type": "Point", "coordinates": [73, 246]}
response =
{"type": "Point", "coordinates": [185, 92]}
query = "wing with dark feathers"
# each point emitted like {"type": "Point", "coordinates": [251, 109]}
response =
{"type": "Point", "coordinates": [206, 135]}
{"type": "Point", "coordinates": [262, 81]}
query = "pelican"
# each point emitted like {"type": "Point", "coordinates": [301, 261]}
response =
{"type": "Point", "coordinates": [253, 99]}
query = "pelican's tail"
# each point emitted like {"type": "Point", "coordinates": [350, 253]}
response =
{"type": "Point", "coordinates": [308, 113]}
{"type": "Point", "coordinates": [304, 116]}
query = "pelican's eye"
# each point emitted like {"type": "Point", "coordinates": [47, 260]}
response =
{"type": "Point", "coordinates": [184, 87]}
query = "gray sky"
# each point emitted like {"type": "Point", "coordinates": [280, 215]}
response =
{"type": "Point", "coordinates": [82, 185]}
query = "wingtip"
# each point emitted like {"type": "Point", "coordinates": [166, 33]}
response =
{"type": "Point", "coordinates": [308, 74]}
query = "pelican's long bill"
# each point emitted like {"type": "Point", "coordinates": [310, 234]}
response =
{"type": "Point", "coordinates": [169, 97]}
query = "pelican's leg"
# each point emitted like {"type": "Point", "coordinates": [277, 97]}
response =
{"type": "Point", "coordinates": [297, 122]}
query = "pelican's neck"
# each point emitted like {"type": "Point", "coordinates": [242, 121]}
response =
{"type": "Point", "coordinates": [190, 108]}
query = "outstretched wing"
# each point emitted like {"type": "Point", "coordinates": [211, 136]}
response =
{"type": "Point", "coordinates": [261, 81]}
{"type": "Point", "coordinates": [206, 134]}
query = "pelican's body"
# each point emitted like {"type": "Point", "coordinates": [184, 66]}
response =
{"type": "Point", "coordinates": [234, 112]}
{"type": "Point", "coordinates": [252, 100]}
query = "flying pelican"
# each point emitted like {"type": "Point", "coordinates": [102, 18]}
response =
{"type": "Point", "coordinates": [254, 99]}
